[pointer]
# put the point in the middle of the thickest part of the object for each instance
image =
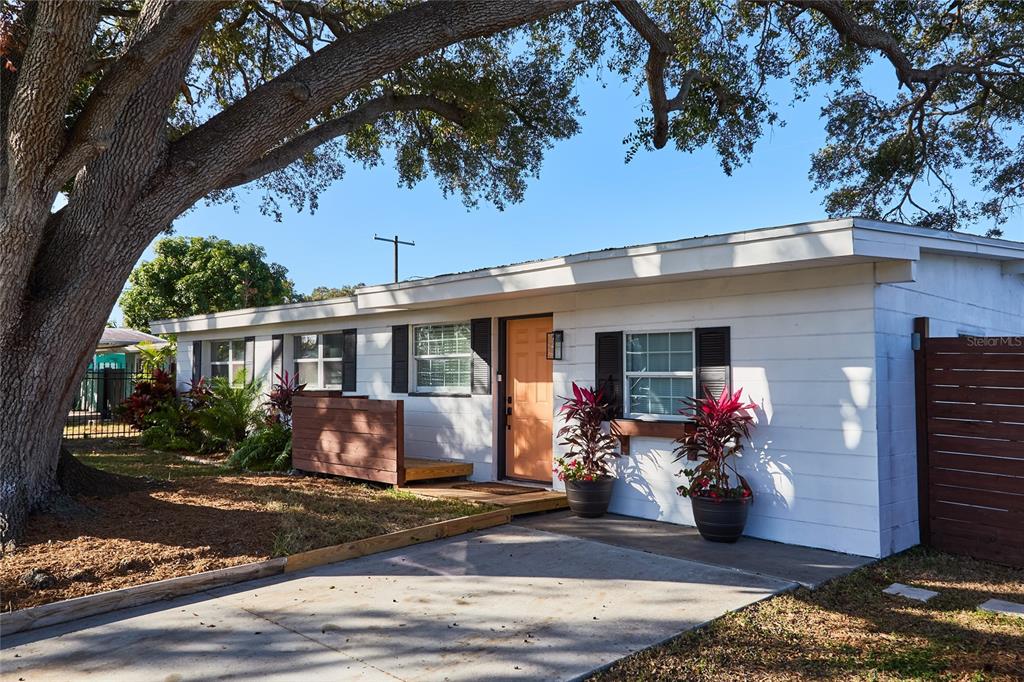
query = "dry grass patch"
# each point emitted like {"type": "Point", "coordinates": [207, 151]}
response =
{"type": "Point", "coordinates": [197, 517]}
{"type": "Point", "coordinates": [849, 630]}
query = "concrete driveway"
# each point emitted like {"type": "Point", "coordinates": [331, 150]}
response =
{"type": "Point", "coordinates": [506, 603]}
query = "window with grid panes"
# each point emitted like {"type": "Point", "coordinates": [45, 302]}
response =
{"type": "Point", "coordinates": [659, 373]}
{"type": "Point", "coordinates": [442, 357]}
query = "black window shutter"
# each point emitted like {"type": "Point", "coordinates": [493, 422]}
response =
{"type": "Point", "coordinates": [348, 360]}
{"type": "Point", "coordinates": [714, 357]}
{"type": "Point", "coordinates": [608, 361]}
{"type": "Point", "coordinates": [197, 361]}
{"type": "Point", "coordinates": [480, 342]}
{"type": "Point", "coordinates": [250, 359]}
{"type": "Point", "coordinates": [400, 359]}
{"type": "Point", "coordinates": [277, 355]}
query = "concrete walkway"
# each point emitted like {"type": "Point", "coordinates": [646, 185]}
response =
{"type": "Point", "coordinates": [506, 603]}
{"type": "Point", "coordinates": [807, 566]}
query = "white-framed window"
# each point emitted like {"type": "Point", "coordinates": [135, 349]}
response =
{"type": "Point", "coordinates": [659, 373]}
{"type": "Point", "coordinates": [227, 359]}
{"type": "Point", "coordinates": [442, 358]}
{"type": "Point", "coordinates": [318, 360]}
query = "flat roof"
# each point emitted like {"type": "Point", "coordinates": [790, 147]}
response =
{"type": "Point", "coordinates": [764, 249]}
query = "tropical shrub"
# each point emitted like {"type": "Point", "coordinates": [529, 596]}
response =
{"type": "Point", "coordinates": [591, 449]}
{"type": "Point", "coordinates": [154, 357]}
{"type": "Point", "coordinates": [269, 448]}
{"type": "Point", "coordinates": [146, 397]}
{"type": "Point", "coordinates": [228, 413]}
{"type": "Point", "coordinates": [721, 425]}
{"type": "Point", "coordinates": [172, 426]}
{"type": "Point", "coordinates": [279, 400]}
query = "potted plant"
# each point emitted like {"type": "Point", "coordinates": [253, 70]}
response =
{"type": "Point", "coordinates": [720, 496]}
{"type": "Point", "coordinates": [586, 470]}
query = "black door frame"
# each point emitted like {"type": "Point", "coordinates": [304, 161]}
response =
{"type": "Point", "coordinates": [502, 395]}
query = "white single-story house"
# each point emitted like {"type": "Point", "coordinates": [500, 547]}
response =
{"type": "Point", "coordinates": [813, 321]}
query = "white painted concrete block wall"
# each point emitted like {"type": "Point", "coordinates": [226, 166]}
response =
{"type": "Point", "coordinates": [803, 350]}
{"type": "Point", "coordinates": [960, 296]}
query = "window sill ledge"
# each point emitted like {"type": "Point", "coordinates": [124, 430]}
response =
{"type": "Point", "coordinates": [425, 394]}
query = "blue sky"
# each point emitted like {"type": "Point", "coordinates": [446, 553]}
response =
{"type": "Point", "coordinates": [586, 198]}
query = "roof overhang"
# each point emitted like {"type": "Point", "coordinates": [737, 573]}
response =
{"type": "Point", "coordinates": [893, 248]}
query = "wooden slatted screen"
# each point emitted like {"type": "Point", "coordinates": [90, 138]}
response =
{"type": "Point", "coordinates": [972, 391]}
{"type": "Point", "coordinates": [354, 437]}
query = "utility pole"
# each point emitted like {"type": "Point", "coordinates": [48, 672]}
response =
{"type": "Point", "coordinates": [396, 241]}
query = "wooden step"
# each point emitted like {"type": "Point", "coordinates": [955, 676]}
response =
{"type": "Point", "coordinates": [417, 469]}
{"type": "Point", "coordinates": [526, 503]}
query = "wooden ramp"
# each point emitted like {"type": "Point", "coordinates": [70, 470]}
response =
{"type": "Point", "coordinates": [518, 499]}
{"type": "Point", "coordinates": [417, 469]}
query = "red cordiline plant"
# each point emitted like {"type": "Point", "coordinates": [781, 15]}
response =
{"type": "Point", "coordinates": [591, 449]}
{"type": "Point", "coordinates": [279, 400]}
{"type": "Point", "coordinates": [721, 425]}
{"type": "Point", "coordinates": [147, 396]}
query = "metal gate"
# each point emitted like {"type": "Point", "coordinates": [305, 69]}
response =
{"type": "Point", "coordinates": [970, 414]}
{"type": "Point", "coordinates": [95, 412]}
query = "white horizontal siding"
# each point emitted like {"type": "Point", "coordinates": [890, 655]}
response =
{"type": "Point", "coordinates": [958, 295]}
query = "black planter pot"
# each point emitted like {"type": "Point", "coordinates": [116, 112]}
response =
{"type": "Point", "coordinates": [721, 520]}
{"type": "Point", "coordinates": [589, 498]}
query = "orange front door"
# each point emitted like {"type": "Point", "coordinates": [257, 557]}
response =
{"type": "Point", "coordinates": [528, 400]}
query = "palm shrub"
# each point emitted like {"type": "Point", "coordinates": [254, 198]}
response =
{"type": "Point", "coordinates": [591, 448]}
{"type": "Point", "coordinates": [269, 448]}
{"type": "Point", "coordinates": [720, 427]}
{"type": "Point", "coordinates": [231, 413]}
{"type": "Point", "coordinates": [172, 426]}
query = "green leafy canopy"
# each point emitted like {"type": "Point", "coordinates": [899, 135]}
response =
{"type": "Point", "coordinates": [194, 275]}
{"type": "Point", "coordinates": [953, 109]}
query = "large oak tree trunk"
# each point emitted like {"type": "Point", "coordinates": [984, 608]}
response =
{"type": "Point", "coordinates": [61, 272]}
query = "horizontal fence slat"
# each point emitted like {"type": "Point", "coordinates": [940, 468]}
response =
{"type": "Point", "coordinates": [966, 530]}
{"type": "Point", "coordinates": [352, 422]}
{"type": "Point", "coordinates": [941, 509]}
{"type": "Point", "coordinates": [362, 473]}
{"type": "Point", "coordinates": [358, 449]}
{"type": "Point", "coordinates": [981, 498]}
{"type": "Point", "coordinates": [985, 413]}
{"type": "Point", "coordinates": [1011, 432]}
{"type": "Point", "coordinates": [977, 548]}
{"type": "Point", "coordinates": [974, 394]}
{"type": "Point", "coordinates": [981, 464]}
{"type": "Point", "coordinates": [994, 344]}
{"type": "Point", "coordinates": [971, 377]}
{"type": "Point", "coordinates": [976, 446]}
{"type": "Point", "coordinates": [346, 458]}
{"type": "Point", "coordinates": [978, 481]}
{"type": "Point", "coordinates": [976, 360]}
{"type": "Point", "coordinates": [358, 404]}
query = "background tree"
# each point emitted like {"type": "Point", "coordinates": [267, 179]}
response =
{"type": "Point", "coordinates": [137, 109]}
{"type": "Point", "coordinates": [193, 275]}
{"type": "Point", "coordinates": [324, 293]}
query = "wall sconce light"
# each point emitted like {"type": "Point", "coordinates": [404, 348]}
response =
{"type": "Point", "coordinates": [556, 342]}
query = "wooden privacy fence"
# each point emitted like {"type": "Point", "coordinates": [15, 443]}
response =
{"type": "Point", "coordinates": [970, 402]}
{"type": "Point", "coordinates": [354, 437]}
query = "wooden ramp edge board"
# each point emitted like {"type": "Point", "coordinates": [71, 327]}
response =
{"type": "Point", "coordinates": [136, 595]}
{"type": "Point", "coordinates": [418, 469]}
{"type": "Point", "coordinates": [396, 540]}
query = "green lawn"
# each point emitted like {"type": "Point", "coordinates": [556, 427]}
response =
{"type": "Point", "coordinates": [127, 457]}
{"type": "Point", "coordinates": [849, 630]}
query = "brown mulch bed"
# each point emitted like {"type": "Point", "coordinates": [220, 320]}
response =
{"type": "Point", "coordinates": [849, 630]}
{"type": "Point", "coordinates": [188, 525]}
